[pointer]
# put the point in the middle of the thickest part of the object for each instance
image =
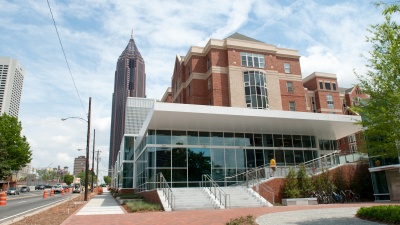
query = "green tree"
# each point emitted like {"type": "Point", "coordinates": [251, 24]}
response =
{"type": "Point", "coordinates": [46, 175]}
{"type": "Point", "coordinates": [68, 179]}
{"type": "Point", "coordinates": [304, 182]}
{"type": "Point", "coordinates": [107, 179]}
{"type": "Point", "coordinates": [82, 176]}
{"type": "Point", "coordinates": [290, 188]}
{"type": "Point", "coordinates": [15, 151]}
{"type": "Point", "coordinates": [381, 112]}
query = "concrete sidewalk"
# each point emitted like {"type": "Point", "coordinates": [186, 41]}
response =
{"type": "Point", "coordinates": [104, 209]}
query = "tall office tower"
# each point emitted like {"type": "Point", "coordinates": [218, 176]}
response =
{"type": "Point", "coordinates": [130, 81]}
{"type": "Point", "coordinates": [11, 80]}
{"type": "Point", "coordinates": [79, 164]}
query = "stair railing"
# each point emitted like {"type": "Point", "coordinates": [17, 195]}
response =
{"type": "Point", "coordinates": [253, 181]}
{"type": "Point", "coordinates": [166, 190]}
{"type": "Point", "coordinates": [222, 197]}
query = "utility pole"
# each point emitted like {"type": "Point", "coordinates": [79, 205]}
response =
{"type": "Point", "coordinates": [94, 139]}
{"type": "Point", "coordinates": [97, 169]}
{"type": "Point", "coordinates": [87, 151]}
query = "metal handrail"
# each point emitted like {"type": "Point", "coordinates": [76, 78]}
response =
{"type": "Point", "coordinates": [167, 191]}
{"type": "Point", "coordinates": [254, 182]}
{"type": "Point", "coordinates": [219, 194]}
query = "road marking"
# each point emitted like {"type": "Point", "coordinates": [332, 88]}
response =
{"type": "Point", "coordinates": [51, 203]}
{"type": "Point", "coordinates": [22, 202]}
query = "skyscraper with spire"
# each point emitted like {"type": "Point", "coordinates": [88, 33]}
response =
{"type": "Point", "coordinates": [130, 81]}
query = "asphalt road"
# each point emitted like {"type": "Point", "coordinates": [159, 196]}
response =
{"type": "Point", "coordinates": [28, 202]}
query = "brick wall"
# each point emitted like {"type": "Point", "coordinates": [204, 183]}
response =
{"type": "Point", "coordinates": [151, 196]}
{"type": "Point", "coordinates": [297, 96]}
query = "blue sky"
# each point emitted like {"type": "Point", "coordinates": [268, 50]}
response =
{"type": "Point", "coordinates": [330, 36]}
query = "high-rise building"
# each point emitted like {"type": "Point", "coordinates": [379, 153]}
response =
{"type": "Point", "coordinates": [130, 81]}
{"type": "Point", "coordinates": [11, 81]}
{"type": "Point", "coordinates": [79, 165]}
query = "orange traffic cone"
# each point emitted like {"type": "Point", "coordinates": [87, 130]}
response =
{"type": "Point", "coordinates": [3, 198]}
{"type": "Point", "coordinates": [44, 194]}
{"type": "Point", "coordinates": [51, 192]}
{"type": "Point", "coordinates": [62, 191]}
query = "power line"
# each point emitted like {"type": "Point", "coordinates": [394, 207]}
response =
{"type": "Point", "coordinates": [62, 48]}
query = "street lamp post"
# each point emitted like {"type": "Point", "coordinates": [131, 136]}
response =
{"type": "Point", "coordinates": [87, 145]}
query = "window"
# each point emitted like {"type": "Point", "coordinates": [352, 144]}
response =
{"type": "Point", "coordinates": [327, 86]}
{"type": "Point", "coordinates": [209, 83]}
{"type": "Point", "coordinates": [287, 67]}
{"type": "Point", "coordinates": [334, 86]}
{"type": "Point", "coordinates": [252, 60]}
{"type": "Point", "coordinates": [188, 71]}
{"type": "Point", "coordinates": [255, 88]}
{"type": "Point", "coordinates": [289, 86]}
{"type": "Point", "coordinates": [208, 63]}
{"type": "Point", "coordinates": [329, 100]}
{"type": "Point", "coordinates": [292, 106]}
{"type": "Point", "coordinates": [321, 85]}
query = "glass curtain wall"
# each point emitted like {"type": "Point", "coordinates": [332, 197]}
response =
{"type": "Point", "coordinates": [184, 156]}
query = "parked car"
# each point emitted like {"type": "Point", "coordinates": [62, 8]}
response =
{"type": "Point", "coordinates": [12, 191]}
{"type": "Point", "coordinates": [40, 187]}
{"type": "Point", "coordinates": [57, 188]}
{"type": "Point", "coordinates": [48, 186]}
{"type": "Point", "coordinates": [25, 189]}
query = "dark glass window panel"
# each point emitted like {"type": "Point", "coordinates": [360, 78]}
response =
{"type": "Point", "coordinates": [313, 142]}
{"type": "Point", "coordinates": [239, 139]}
{"type": "Point", "coordinates": [247, 90]}
{"type": "Point", "coordinates": [289, 157]}
{"type": "Point", "coordinates": [179, 175]}
{"type": "Point", "coordinates": [334, 145]}
{"type": "Point", "coordinates": [334, 86]}
{"type": "Point", "coordinates": [258, 90]}
{"type": "Point", "coordinates": [308, 155]}
{"type": "Point", "coordinates": [246, 77]}
{"type": "Point", "coordinates": [248, 139]}
{"type": "Point", "coordinates": [163, 137]}
{"type": "Point", "coordinates": [267, 140]}
{"type": "Point", "coordinates": [298, 156]}
{"type": "Point", "coordinates": [217, 138]}
{"type": "Point", "coordinates": [244, 61]}
{"type": "Point", "coordinates": [179, 138]}
{"type": "Point", "coordinates": [248, 99]}
{"type": "Point", "coordinates": [230, 159]}
{"type": "Point", "coordinates": [306, 141]}
{"type": "Point", "coordinates": [279, 157]}
{"type": "Point", "coordinates": [166, 173]}
{"type": "Point", "coordinates": [259, 104]}
{"type": "Point", "coordinates": [240, 158]}
{"type": "Point", "coordinates": [328, 86]}
{"type": "Point", "coordinates": [252, 81]}
{"type": "Point", "coordinates": [250, 158]}
{"type": "Point", "coordinates": [204, 138]}
{"type": "Point", "coordinates": [278, 142]}
{"type": "Point", "coordinates": [321, 85]}
{"type": "Point", "coordinates": [263, 91]}
{"type": "Point", "coordinates": [254, 101]}
{"type": "Point", "coordinates": [229, 139]}
{"type": "Point", "coordinates": [199, 163]}
{"type": "Point", "coordinates": [163, 157]}
{"type": "Point", "coordinates": [217, 158]}
{"type": "Point", "coordinates": [193, 137]}
{"type": "Point", "coordinates": [257, 78]}
{"type": "Point", "coordinates": [250, 61]}
{"type": "Point", "coordinates": [256, 64]}
{"type": "Point", "coordinates": [218, 174]}
{"type": "Point", "coordinates": [151, 157]}
{"type": "Point", "coordinates": [259, 157]}
{"type": "Point", "coordinates": [297, 141]}
{"type": "Point", "coordinates": [258, 140]}
{"type": "Point", "coordinates": [179, 157]}
{"type": "Point", "coordinates": [253, 90]}
{"type": "Point", "coordinates": [231, 172]}
{"type": "Point", "coordinates": [151, 137]}
{"type": "Point", "coordinates": [287, 140]}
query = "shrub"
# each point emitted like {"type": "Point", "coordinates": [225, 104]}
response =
{"type": "Point", "coordinates": [383, 213]}
{"type": "Point", "coordinates": [248, 220]}
{"type": "Point", "coordinates": [304, 182]}
{"type": "Point", "coordinates": [290, 188]}
{"type": "Point", "coordinates": [137, 206]}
